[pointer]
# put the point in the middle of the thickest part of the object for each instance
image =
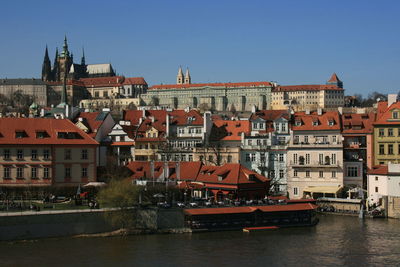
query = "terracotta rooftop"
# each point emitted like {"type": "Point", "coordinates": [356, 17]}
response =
{"type": "Point", "coordinates": [354, 123]}
{"type": "Point", "coordinates": [228, 130]}
{"type": "Point", "coordinates": [384, 115]}
{"type": "Point", "coordinates": [308, 121]}
{"type": "Point", "coordinates": [334, 78]}
{"type": "Point", "coordinates": [92, 120]}
{"type": "Point", "coordinates": [309, 87]}
{"type": "Point", "coordinates": [39, 131]}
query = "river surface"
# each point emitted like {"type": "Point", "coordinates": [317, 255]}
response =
{"type": "Point", "coordinates": [335, 241]}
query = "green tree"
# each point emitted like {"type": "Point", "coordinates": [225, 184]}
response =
{"type": "Point", "coordinates": [122, 196]}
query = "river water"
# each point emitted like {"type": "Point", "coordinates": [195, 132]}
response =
{"type": "Point", "coordinates": [336, 240]}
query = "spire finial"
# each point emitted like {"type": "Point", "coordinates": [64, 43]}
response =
{"type": "Point", "coordinates": [83, 61]}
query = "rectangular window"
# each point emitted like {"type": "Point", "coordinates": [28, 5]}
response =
{"type": "Point", "coordinates": [283, 127]}
{"type": "Point", "coordinates": [376, 189]}
{"type": "Point", "coordinates": [229, 158]}
{"type": "Point", "coordinates": [84, 172]}
{"type": "Point", "coordinates": [46, 154]}
{"type": "Point", "coordinates": [252, 157]}
{"type": "Point", "coordinates": [381, 149]}
{"type": "Point", "coordinates": [281, 157]}
{"type": "Point", "coordinates": [296, 139]}
{"type": "Point", "coordinates": [84, 154]}
{"type": "Point", "coordinates": [20, 154]}
{"type": "Point", "coordinates": [321, 159]}
{"type": "Point", "coordinates": [46, 173]}
{"type": "Point", "coordinates": [307, 158]}
{"type": "Point", "coordinates": [376, 178]}
{"type": "Point", "coordinates": [210, 158]}
{"type": "Point", "coordinates": [307, 173]}
{"type": "Point", "coordinates": [352, 171]}
{"type": "Point", "coordinates": [381, 132]}
{"type": "Point", "coordinates": [333, 158]}
{"type": "Point", "coordinates": [33, 173]}
{"type": "Point", "coordinates": [334, 139]}
{"type": "Point", "coordinates": [7, 172]}
{"type": "Point", "coordinates": [34, 154]}
{"type": "Point", "coordinates": [190, 157]}
{"type": "Point", "coordinates": [67, 172]}
{"type": "Point", "coordinates": [272, 174]}
{"type": "Point", "coordinates": [6, 154]}
{"type": "Point", "coordinates": [295, 191]}
{"type": "Point", "coordinates": [390, 149]}
{"type": "Point", "coordinates": [67, 154]}
{"type": "Point", "coordinates": [281, 174]}
{"type": "Point", "coordinates": [295, 173]}
{"type": "Point", "coordinates": [306, 139]}
{"type": "Point", "coordinates": [321, 174]}
{"type": "Point", "coordinates": [247, 157]}
{"type": "Point", "coordinates": [295, 158]}
{"type": "Point", "coordinates": [20, 173]}
{"type": "Point", "coordinates": [333, 174]}
{"type": "Point", "coordinates": [390, 132]}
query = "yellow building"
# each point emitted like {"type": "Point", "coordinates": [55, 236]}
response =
{"type": "Point", "coordinates": [387, 133]}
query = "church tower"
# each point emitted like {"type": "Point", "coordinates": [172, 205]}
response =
{"type": "Point", "coordinates": [180, 78]}
{"type": "Point", "coordinates": [64, 62]}
{"type": "Point", "coordinates": [46, 67]}
{"type": "Point", "coordinates": [188, 80]}
{"type": "Point", "coordinates": [56, 75]}
{"type": "Point", "coordinates": [334, 80]}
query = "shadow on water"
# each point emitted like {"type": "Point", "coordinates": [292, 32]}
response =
{"type": "Point", "coordinates": [336, 240]}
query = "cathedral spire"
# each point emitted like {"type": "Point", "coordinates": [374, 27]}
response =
{"type": "Point", "coordinates": [188, 80]}
{"type": "Point", "coordinates": [65, 52]}
{"type": "Point", "coordinates": [46, 67]}
{"type": "Point", "coordinates": [180, 78]}
{"type": "Point", "coordinates": [83, 61]}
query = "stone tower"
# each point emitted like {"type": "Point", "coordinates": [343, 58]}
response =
{"type": "Point", "coordinates": [188, 80]}
{"type": "Point", "coordinates": [180, 78]}
{"type": "Point", "coordinates": [46, 67]}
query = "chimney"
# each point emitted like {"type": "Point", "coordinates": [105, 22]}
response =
{"type": "Point", "coordinates": [80, 119]}
{"type": "Point", "coordinates": [152, 119]}
{"type": "Point", "coordinates": [340, 109]}
{"type": "Point", "coordinates": [140, 120]}
{"type": "Point", "coordinates": [319, 111]}
{"type": "Point", "coordinates": [167, 125]}
{"type": "Point", "coordinates": [307, 111]}
{"type": "Point", "coordinates": [392, 98]}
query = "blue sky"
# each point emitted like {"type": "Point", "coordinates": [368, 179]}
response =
{"type": "Point", "coordinates": [291, 42]}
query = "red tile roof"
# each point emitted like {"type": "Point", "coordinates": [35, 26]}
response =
{"type": "Point", "coordinates": [334, 78]}
{"type": "Point", "coordinates": [250, 209]}
{"type": "Point", "coordinates": [379, 170]}
{"type": "Point", "coordinates": [269, 116]}
{"type": "Point", "coordinates": [92, 121]}
{"type": "Point", "coordinates": [307, 121]}
{"type": "Point", "coordinates": [103, 81]}
{"type": "Point", "coordinates": [358, 123]}
{"type": "Point", "coordinates": [385, 115]}
{"type": "Point", "coordinates": [51, 128]}
{"type": "Point", "coordinates": [135, 81]}
{"type": "Point", "coordinates": [309, 87]}
{"type": "Point", "coordinates": [227, 130]}
{"type": "Point", "coordinates": [181, 117]}
{"type": "Point", "coordinates": [223, 85]}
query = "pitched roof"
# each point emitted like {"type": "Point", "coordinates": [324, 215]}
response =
{"type": "Point", "coordinates": [334, 78]}
{"type": "Point", "coordinates": [379, 170]}
{"type": "Point", "coordinates": [103, 81]}
{"type": "Point", "coordinates": [308, 87]}
{"type": "Point", "coordinates": [92, 120]}
{"type": "Point", "coordinates": [358, 123]}
{"type": "Point", "coordinates": [385, 114]}
{"type": "Point", "coordinates": [270, 115]}
{"type": "Point", "coordinates": [227, 130]}
{"type": "Point", "coordinates": [99, 68]}
{"type": "Point", "coordinates": [135, 80]}
{"type": "Point", "coordinates": [181, 117]}
{"type": "Point", "coordinates": [38, 131]}
{"type": "Point", "coordinates": [323, 121]}
{"type": "Point", "coordinates": [200, 85]}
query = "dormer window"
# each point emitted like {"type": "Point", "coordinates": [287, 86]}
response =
{"type": "Point", "coordinates": [220, 178]}
{"type": "Point", "coordinates": [298, 123]}
{"type": "Point", "coordinates": [331, 122]}
{"type": "Point", "coordinates": [42, 134]}
{"type": "Point", "coordinates": [315, 123]}
{"type": "Point", "coordinates": [395, 115]}
{"type": "Point", "coordinates": [20, 134]}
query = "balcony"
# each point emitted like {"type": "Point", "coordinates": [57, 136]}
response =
{"type": "Point", "coordinates": [316, 144]}
{"type": "Point", "coordinates": [314, 164]}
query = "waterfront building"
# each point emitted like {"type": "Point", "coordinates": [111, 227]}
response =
{"type": "Point", "coordinates": [384, 180]}
{"type": "Point", "coordinates": [311, 97]}
{"type": "Point", "coordinates": [229, 181]}
{"type": "Point", "coordinates": [209, 96]}
{"type": "Point", "coordinates": [97, 125]}
{"type": "Point", "coordinates": [264, 150]}
{"type": "Point", "coordinates": [357, 132]}
{"type": "Point", "coordinates": [44, 152]}
{"type": "Point", "coordinates": [387, 132]}
{"type": "Point", "coordinates": [315, 155]}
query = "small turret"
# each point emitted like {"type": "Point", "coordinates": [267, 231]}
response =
{"type": "Point", "coordinates": [334, 80]}
{"type": "Point", "coordinates": [188, 80]}
{"type": "Point", "coordinates": [83, 61]}
{"type": "Point", "coordinates": [180, 78]}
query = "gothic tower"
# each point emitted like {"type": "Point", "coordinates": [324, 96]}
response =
{"type": "Point", "coordinates": [188, 80]}
{"type": "Point", "coordinates": [64, 62]}
{"type": "Point", "coordinates": [180, 78]}
{"type": "Point", "coordinates": [56, 74]}
{"type": "Point", "coordinates": [46, 67]}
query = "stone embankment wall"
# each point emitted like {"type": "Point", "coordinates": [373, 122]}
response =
{"type": "Point", "coordinates": [33, 225]}
{"type": "Point", "coordinates": [393, 209]}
